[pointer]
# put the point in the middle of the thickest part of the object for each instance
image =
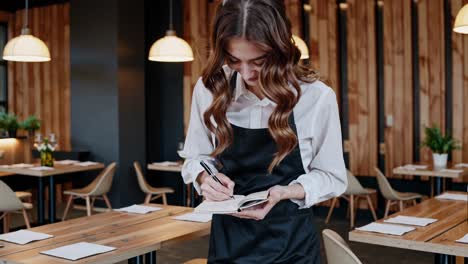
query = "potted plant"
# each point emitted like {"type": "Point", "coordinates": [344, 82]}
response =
{"type": "Point", "coordinates": [9, 122]}
{"type": "Point", "coordinates": [439, 144]}
{"type": "Point", "coordinates": [31, 124]}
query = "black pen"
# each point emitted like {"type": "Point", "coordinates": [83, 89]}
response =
{"type": "Point", "coordinates": [210, 172]}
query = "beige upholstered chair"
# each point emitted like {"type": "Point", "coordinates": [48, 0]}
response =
{"type": "Point", "coordinates": [98, 188]}
{"type": "Point", "coordinates": [148, 189]}
{"type": "Point", "coordinates": [10, 203]}
{"type": "Point", "coordinates": [354, 192]}
{"type": "Point", "coordinates": [392, 196]}
{"type": "Point", "coordinates": [197, 261]}
{"type": "Point", "coordinates": [336, 249]}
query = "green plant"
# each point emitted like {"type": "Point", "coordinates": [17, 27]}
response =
{"type": "Point", "coordinates": [9, 121]}
{"type": "Point", "coordinates": [437, 142]}
{"type": "Point", "coordinates": [32, 123]}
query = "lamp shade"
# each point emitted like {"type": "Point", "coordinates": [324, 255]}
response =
{"type": "Point", "coordinates": [302, 47]}
{"type": "Point", "coordinates": [461, 21]}
{"type": "Point", "coordinates": [170, 48]}
{"type": "Point", "coordinates": [26, 48]}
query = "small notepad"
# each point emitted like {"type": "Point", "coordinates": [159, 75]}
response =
{"type": "Point", "coordinates": [139, 209]}
{"type": "Point", "coordinates": [86, 163]}
{"type": "Point", "coordinates": [390, 229]}
{"type": "Point", "coordinates": [65, 162]}
{"type": "Point", "coordinates": [410, 220]}
{"type": "Point", "coordinates": [195, 217]}
{"type": "Point", "coordinates": [42, 168]}
{"type": "Point", "coordinates": [23, 237]}
{"type": "Point", "coordinates": [453, 196]}
{"type": "Point", "coordinates": [78, 251]}
{"type": "Point", "coordinates": [464, 239]}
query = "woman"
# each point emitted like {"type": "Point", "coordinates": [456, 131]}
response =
{"type": "Point", "coordinates": [263, 122]}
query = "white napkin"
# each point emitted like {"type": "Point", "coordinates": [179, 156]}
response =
{"type": "Point", "coordinates": [139, 209]}
{"type": "Point", "coordinates": [166, 163]}
{"type": "Point", "coordinates": [194, 217]}
{"type": "Point", "coordinates": [42, 168]}
{"type": "Point", "coordinates": [461, 165]}
{"type": "Point", "coordinates": [22, 165]}
{"type": "Point", "coordinates": [453, 196]}
{"type": "Point", "coordinates": [5, 166]}
{"type": "Point", "coordinates": [464, 239]}
{"type": "Point", "coordinates": [397, 230]}
{"type": "Point", "coordinates": [410, 220]}
{"type": "Point", "coordinates": [452, 170]}
{"type": "Point", "coordinates": [78, 250]}
{"type": "Point", "coordinates": [86, 163]}
{"type": "Point", "coordinates": [66, 162]}
{"type": "Point", "coordinates": [23, 236]}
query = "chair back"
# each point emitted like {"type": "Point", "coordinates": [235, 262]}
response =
{"type": "Point", "coordinates": [354, 186]}
{"type": "Point", "coordinates": [8, 199]}
{"type": "Point", "coordinates": [336, 249]}
{"type": "Point", "coordinates": [103, 182]}
{"type": "Point", "coordinates": [385, 187]}
{"type": "Point", "coordinates": [141, 178]}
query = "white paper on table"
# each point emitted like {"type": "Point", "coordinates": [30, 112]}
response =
{"type": "Point", "coordinates": [86, 163]}
{"type": "Point", "coordinates": [415, 167]}
{"type": "Point", "coordinates": [42, 168]}
{"type": "Point", "coordinates": [66, 162]}
{"type": "Point", "coordinates": [461, 165]}
{"type": "Point", "coordinates": [464, 239]}
{"type": "Point", "coordinates": [194, 217]}
{"type": "Point", "coordinates": [139, 209]}
{"type": "Point", "coordinates": [452, 170]}
{"type": "Point", "coordinates": [22, 165]}
{"type": "Point", "coordinates": [23, 236]}
{"type": "Point", "coordinates": [166, 163]}
{"type": "Point", "coordinates": [78, 250]}
{"type": "Point", "coordinates": [410, 220]}
{"type": "Point", "coordinates": [453, 196]}
{"type": "Point", "coordinates": [5, 166]}
{"type": "Point", "coordinates": [390, 229]}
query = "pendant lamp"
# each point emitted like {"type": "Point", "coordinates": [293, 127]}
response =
{"type": "Point", "coordinates": [302, 47]}
{"type": "Point", "coordinates": [26, 47]}
{"type": "Point", "coordinates": [170, 48]}
{"type": "Point", "coordinates": [461, 21]}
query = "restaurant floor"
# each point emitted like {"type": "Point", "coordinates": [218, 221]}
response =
{"type": "Point", "coordinates": [369, 254]}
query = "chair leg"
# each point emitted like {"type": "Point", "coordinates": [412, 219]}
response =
{"type": "Point", "coordinates": [414, 202]}
{"type": "Point", "coordinates": [148, 198]}
{"type": "Point", "coordinates": [93, 199]}
{"type": "Point", "coordinates": [69, 202]}
{"type": "Point", "coordinates": [88, 205]}
{"type": "Point", "coordinates": [371, 207]}
{"type": "Point", "coordinates": [164, 198]}
{"type": "Point", "coordinates": [351, 209]}
{"type": "Point", "coordinates": [401, 206]}
{"type": "Point", "coordinates": [26, 219]}
{"type": "Point", "coordinates": [106, 199]}
{"type": "Point", "coordinates": [387, 208]}
{"type": "Point", "coordinates": [332, 207]}
{"type": "Point", "coordinates": [6, 224]}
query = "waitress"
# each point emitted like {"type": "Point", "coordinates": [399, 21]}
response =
{"type": "Point", "coordinates": [263, 122]}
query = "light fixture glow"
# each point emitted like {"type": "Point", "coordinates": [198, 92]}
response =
{"type": "Point", "coordinates": [302, 47]}
{"type": "Point", "coordinates": [461, 21]}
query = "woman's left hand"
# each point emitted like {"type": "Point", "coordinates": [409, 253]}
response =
{"type": "Point", "coordinates": [276, 194]}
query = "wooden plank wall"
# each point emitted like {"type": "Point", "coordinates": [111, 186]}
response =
{"type": "Point", "coordinates": [44, 88]}
{"type": "Point", "coordinates": [362, 86]}
{"type": "Point", "coordinates": [398, 85]}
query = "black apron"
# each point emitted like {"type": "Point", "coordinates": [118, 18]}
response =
{"type": "Point", "coordinates": [287, 234]}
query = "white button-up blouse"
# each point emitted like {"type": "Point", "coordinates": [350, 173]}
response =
{"type": "Point", "coordinates": [318, 130]}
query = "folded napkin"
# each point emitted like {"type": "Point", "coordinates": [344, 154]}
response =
{"type": "Point", "coordinates": [23, 237]}
{"type": "Point", "coordinates": [166, 163]}
{"type": "Point", "coordinates": [86, 163]}
{"type": "Point", "coordinates": [66, 162]}
{"type": "Point", "coordinates": [78, 250]}
{"type": "Point", "coordinates": [410, 220]}
{"type": "Point", "coordinates": [452, 170]}
{"type": "Point", "coordinates": [139, 209]}
{"type": "Point", "coordinates": [5, 166]}
{"type": "Point", "coordinates": [42, 168]}
{"type": "Point", "coordinates": [464, 239]}
{"type": "Point", "coordinates": [413, 167]}
{"type": "Point", "coordinates": [22, 165]}
{"type": "Point", "coordinates": [397, 230]}
{"type": "Point", "coordinates": [461, 165]}
{"type": "Point", "coordinates": [453, 196]}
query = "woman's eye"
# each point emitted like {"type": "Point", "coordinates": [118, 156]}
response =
{"type": "Point", "coordinates": [258, 62]}
{"type": "Point", "coordinates": [231, 61]}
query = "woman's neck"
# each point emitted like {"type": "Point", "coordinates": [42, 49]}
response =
{"type": "Point", "coordinates": [255, 90]}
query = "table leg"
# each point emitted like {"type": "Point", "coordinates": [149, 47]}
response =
{"type": "Point", "coordinates": [444, 259]}
{"type": "Point", "coordinates": [51, 199]}
{"type": "Point", "coordinates": [192, 195]}
{"type": "Point", "coordinates": [184, 195]}
{"type": "Point", "coordinates": [466, 261]}
{"type": "Point", "coordinates": [40, 201]}
{"type": "Point", "coordinates": [437, 185]}
{"type": "Point", "coordinates": [136, 260]}
{"type": "Point", "coordinates": [150, 257]}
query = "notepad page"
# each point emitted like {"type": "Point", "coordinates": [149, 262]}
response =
{"type": "Point", "coordinates": [410, 220]}
{"type": "Point", "coordinates": [390, 229]}
{"type": "Point", "coordinates": [223, 207]}
{"type": "Point", "coordinates": [78, 250]}
{"type": "Point", "coordinates": [195, 217]}
{"type": "Point", "coordinates": [23, 236]}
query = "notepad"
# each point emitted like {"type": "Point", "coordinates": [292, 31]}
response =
{"type": "Point", "coordinates": [86, 163]}
{"type": "Point", "coordinates": [410, 220]}
{"type": "Point", "coordinates": [78, 251]}
{"type": "Point", "coordinates": [390, 229]}
{"type": "Point", "coordinates": [42, 168]}
{"type": "Point", "coordinates": [464, 239]}
{"type": "Point", "coordinates": [65, 162]}
{"type": "Point", "coordinates": [139, 209]}
{"type": "Point", "coordinates": [452, 196]}
{"type": "Point", "coordinates": [166, 163]}
{"type": "Point", "coordinates": [195, 217]}
{"type": "Point", "coordinates": [240, 202]}
{"type": "Point", "coordinates": [23, 237]}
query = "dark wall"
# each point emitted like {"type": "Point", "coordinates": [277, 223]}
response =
{"type": "Point", "coordinates": [107, 88]}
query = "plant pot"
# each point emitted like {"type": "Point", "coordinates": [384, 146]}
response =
{"type": "Point", "coordinates": [12, 133]}
{"type": "Point", "coordinates": [440, 161]}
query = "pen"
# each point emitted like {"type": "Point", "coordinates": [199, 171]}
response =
{"type": "Point", "coordinates": [210, 172]}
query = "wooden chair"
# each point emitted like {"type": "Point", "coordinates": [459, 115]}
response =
{"type": "Point", "coordinates": [148, 189]}
{"type": "Point", "coordinates": [98, 188]}
{"type": "Point", "coordinates": [197, 261]}
{"type": "Point", "coordinates": [354, 192]}
{"type": "Point", "coordinates": [392, 196]}
{"type": "Point", "coordinates": [10, 203]}
{"type": "Point", "coordinates": [336, 249]}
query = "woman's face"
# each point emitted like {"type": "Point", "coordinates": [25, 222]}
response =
{"type": "Point", "coordinates": [247, 58]}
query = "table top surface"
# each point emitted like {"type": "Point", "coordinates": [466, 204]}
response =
{"type": "Point", "coordinates": [132, 235]}
{"type": "Point", "coordinates": [58, 169]}
{"type": "Point", "coordinates": [160, 167]}
{"type": "Point", "coordinates": [450, 214]}
{"type": "Point", "coordinates": [430, 171]}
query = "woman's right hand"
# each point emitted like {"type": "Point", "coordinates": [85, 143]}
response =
{"type": "Point", "coordinates": [212, 190]}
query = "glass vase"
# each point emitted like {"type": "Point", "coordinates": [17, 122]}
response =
{"type": "Point", "coordinates": [47, 158]}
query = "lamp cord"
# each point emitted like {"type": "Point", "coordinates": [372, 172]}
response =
{"type": "Point", "coordinates": [26, 15]}
{"type": "Point", "coordinates": [170, 16]}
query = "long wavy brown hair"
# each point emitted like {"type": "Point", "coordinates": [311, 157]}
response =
{"type": "Point", "coordinates": [263, 22]}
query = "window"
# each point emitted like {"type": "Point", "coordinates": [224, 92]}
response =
{"type": "Point", "coordinates": [3, 70]}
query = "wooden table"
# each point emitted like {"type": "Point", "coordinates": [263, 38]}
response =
{"type": "Point", "coordinates": [58, 170]}
{"type": "Point", "coordinates": [176, 168]}
{"type": "Point", "coordinates": [430, 171]}
{"type": "Point", "coordinates": [431, 238]}
{"type": "Point", "coordinates": [133, 240]}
